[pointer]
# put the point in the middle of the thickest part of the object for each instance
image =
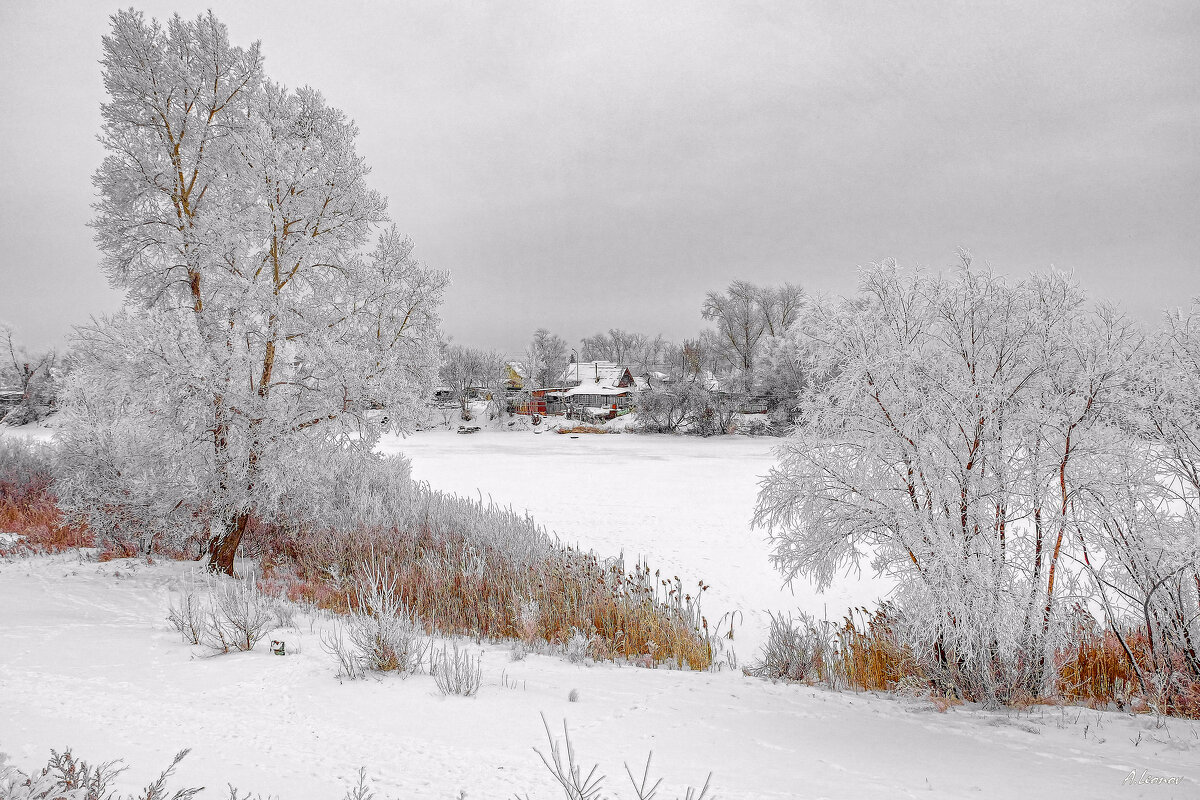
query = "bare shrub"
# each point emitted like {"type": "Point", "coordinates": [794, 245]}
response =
{"type": "Point", "coordinates": [350, 660]}
{"type": "Point", "coordinates": [284, 612]}
{"type": "Point", "coordinates": [217, 635]}
{"type": "Point", "coordinates": [794, 650]}
{"type": "Point", "coordinates": [578, 647]}
{"type": "Point", "coordinates": [188, 617]}
{"type": "Point", "coordinates": [65, 776]}
{"type": "Point", "coordinates": [360, 790]}
{"type": "Point", "coordinates": [382, 627]}
{"type": "Point", "coordinates": [239, 617]}
{"type": "Point", "coordinates": [456, 671]}
{"type": "Point", "coordinates": [562, 762]}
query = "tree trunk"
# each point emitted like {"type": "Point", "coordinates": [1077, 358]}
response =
{"type": "Point", "coordinates": [221, 549]}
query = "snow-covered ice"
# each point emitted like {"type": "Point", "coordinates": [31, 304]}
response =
{"type": "Point", "coordinates": [684, 503]}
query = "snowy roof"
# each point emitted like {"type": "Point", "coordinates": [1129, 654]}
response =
{"type": "Point", "coordinates": [596, 373]}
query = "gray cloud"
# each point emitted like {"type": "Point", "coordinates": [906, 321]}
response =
{"type": "Point", "coordinates": [584, 166]}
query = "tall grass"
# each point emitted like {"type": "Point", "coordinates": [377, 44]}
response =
{"type": "Point", "coordinates": [466, 568]}
{"type": "Point", "coordinates": [1097, 670]}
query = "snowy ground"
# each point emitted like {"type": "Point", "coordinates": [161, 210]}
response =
{"type": "Point", "coordinates": [88, 660]}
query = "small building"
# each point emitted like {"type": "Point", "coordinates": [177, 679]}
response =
{"type": "Point", "coordinates": [9, 398]}
{"type": "Point", "coordinates": [543, 402]}
{"type": "Point", "coordinates": [514, 375]}
{"type": "Point", "coordinates": [598, 400]}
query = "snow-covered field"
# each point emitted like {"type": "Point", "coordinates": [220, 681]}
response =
{"type": "Point", "coordinates": [87, 659]}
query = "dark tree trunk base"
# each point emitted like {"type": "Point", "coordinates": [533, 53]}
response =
{"type": "Point", "coordinates": [222, 549]}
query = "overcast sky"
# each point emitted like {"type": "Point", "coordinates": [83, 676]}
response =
{"type": "Point", "coordinates": [582, 166]}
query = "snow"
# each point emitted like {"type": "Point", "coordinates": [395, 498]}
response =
{"type": "Point", "coordinates": [88, 660]}
{"type": "Point", "coordinates": [42, 431]}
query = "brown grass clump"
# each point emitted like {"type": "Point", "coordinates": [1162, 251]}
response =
{"type": "Point", "coordinates": [28, 506]}
{"type": "Point", "coordinates": [1096, 668]}
{"type": "Point", "coordinates": [871, 656]}
{"type": "Point", "coordinates": [943, 703]}
{"type": "Point", "coordinates": [585, 429]}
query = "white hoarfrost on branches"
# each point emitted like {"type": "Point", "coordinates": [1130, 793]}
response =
{"type": "Point", "coordinates": [273, 316]}
{"type": "Point", "coordinates": [32, 377]}
{"type": "Point", "coordinates": [955, 434]}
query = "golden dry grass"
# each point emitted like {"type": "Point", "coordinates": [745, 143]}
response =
{"type": "Point", "coordinates": [1096, 671]}
{"type": "Point", "coordinates": [458, 586]}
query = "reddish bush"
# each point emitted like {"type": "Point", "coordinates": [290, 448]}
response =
{"type": "Point", "coordinates": [28, 507]}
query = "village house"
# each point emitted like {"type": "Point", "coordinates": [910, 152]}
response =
{"type": "Point", "coordinates": [599, 388]}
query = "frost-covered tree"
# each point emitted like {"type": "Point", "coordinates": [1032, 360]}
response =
{"type": "Point", "coordinates": [273, 313]}
{"type": "Point", "coordinates": [952, 438]}
{"type": "Point", "coordinates": [463, 369]}
{"type": "Point", "coordinates": [33, 375]}
{"type": "Point", "coordinates": [740, 324]}
{"type": "Point", "coordinates": [786, 365]}
{"type": "Point", "coordinates": [746, 317]}
{"type": "Point", "coordinates": [466, 370]}
{"type": "Point", "coordinates": [545, 359]}
{"type": "Point", "coordinates": [1150, 538]}
{"type": "Point", "coordinates": [639, 352]}
{"type": "Point", "coordinates": [780, 306]}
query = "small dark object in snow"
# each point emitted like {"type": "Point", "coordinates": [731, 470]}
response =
{"type": "Point", "coordinates": [472, 429]}
{"type": "Point", "coordinates": [277, 647]}
{"type": "Point", "coordinates": [574, 437]}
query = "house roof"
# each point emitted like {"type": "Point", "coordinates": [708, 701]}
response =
{"type": "Point", "coordinates": [597, 373]}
